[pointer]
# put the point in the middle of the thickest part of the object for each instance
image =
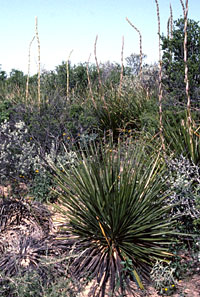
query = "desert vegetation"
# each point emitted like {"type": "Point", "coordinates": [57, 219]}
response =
{"type": "Point", "coordinates": [100, 172]}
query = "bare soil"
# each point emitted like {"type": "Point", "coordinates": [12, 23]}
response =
{"type": "Point", "coordinates": [188, 287]}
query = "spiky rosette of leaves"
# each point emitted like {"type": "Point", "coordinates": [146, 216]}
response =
{"type": "Point", "coordinates": [116, 216]}
{"type": "Point", "coordinates": [181, 140]}
{"type": "Point", "coordinates": [25, 253]}
{"type": "Point", "coordinates": [34, 216]}
{"type": "Point", "coordinates": [26, 240]}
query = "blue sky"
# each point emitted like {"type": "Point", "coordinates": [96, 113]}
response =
{"type": "Point", "coordinates": [66, 25]}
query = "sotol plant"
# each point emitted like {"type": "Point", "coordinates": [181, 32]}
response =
{"type": "Point", "coordinates": [115, 215]}
{"type": "Point", "coordinates": [177, 136]}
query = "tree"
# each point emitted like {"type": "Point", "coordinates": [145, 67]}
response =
{"type": "Point", "coordinates": [78, 79]}
{"type": "Point", "coordinates": [3, 74]}
{"type": "Point", "coordinates": [133, 63]}
{"type": "Point", "coordinates": [173, 61]}
{"type": "Point", "coordinates": [17, 78]}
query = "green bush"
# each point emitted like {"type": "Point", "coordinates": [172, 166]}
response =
{"type": "Point", "coordinates": [16, 152]}
{"type": "Point", "coordinates": [184, 189]}
{"type": "Point", "coordinates": [5, 110]}
{"type": "Point", "coordinates": [23, 160]}
{"type": "Point", "coordinates": [56, 120]}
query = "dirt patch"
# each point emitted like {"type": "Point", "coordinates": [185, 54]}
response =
{"type": "Point", "coordinates": [6, 191]}
{"type": "Point", "coordinates": [188, 287]}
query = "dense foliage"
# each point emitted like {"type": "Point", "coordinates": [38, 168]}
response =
{"type": "Point", "coordinates": [173, 61]}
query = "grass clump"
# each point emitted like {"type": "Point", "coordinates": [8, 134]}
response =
{"type": "Point", "coordinates": [30, 284]}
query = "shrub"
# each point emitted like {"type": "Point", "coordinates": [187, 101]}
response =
{"type": "Point", "coordinates": [16, 151]}
{"type": "Point", "coordinates": [183, 184]}
{"type": "Point", "coordinates": [184, 190]}
{"type": "Point", "coordinates": [22, 160]}
{"type": "Point", "coordinates": [56, 120]}
{"type": "Point", "coordinates": [184, 181]}
{"type": "Point", "coordinates": [41, 186]}
{"type": "Point", "coordinates": [162, 275]}
{"type": "Point", "coordinates": [5, 110]}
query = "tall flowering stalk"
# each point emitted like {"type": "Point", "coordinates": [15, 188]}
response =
{"type": "Point", "coordinates": [189, 116]}
{"type": "Point", "coordinates": [122, 66]}
{"type": "Point", "coordinates": [89, 83]}
{"type": "Point", "coordinates": [29, 65]}
{"type": "Point", "coordinates": [183, 6]}
{"type": "Point", "coordinates": [171, 22]}
{"type": "Point", "coordinates": [67, 70]}
{"type": "Point", "coordinates": [140, 36]}
{"type": "Point", "coordinates": [160, 80]}
{"type": "Point", "coordinates": [99, 76]}
{"type": "Point", "coordinates": [38, 42]}
{"type": "Point", "coordinates": [168, 25]}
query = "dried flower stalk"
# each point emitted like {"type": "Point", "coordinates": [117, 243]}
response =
{"type": "Point", "coordinates": [97, 64]}
{"type": "Point", "coordinates": [168, 25]}
{"type": "Point", "coordinates": [189, 116]}
{"type": "Point", "coordinates": [171, 22]}
{"type": "Point", "coordinates": [140, 36]}
{"type": "Point", "coordinates": [29, 65]}
{"type": "Point", "coordinates": [160, 80]}
{"type": "Point", "coordinates": [183, 6]}
{"type": "Point", "coordinates": [38, 42]}
{"type": "Point", "coordinates": [122, 66]}
{"type": "Point", "coordinates": [89, 83]}
{"type": "Point", "coordinates": [67, 70]}
{"type": "Point", "coordinates": [98, 71]}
